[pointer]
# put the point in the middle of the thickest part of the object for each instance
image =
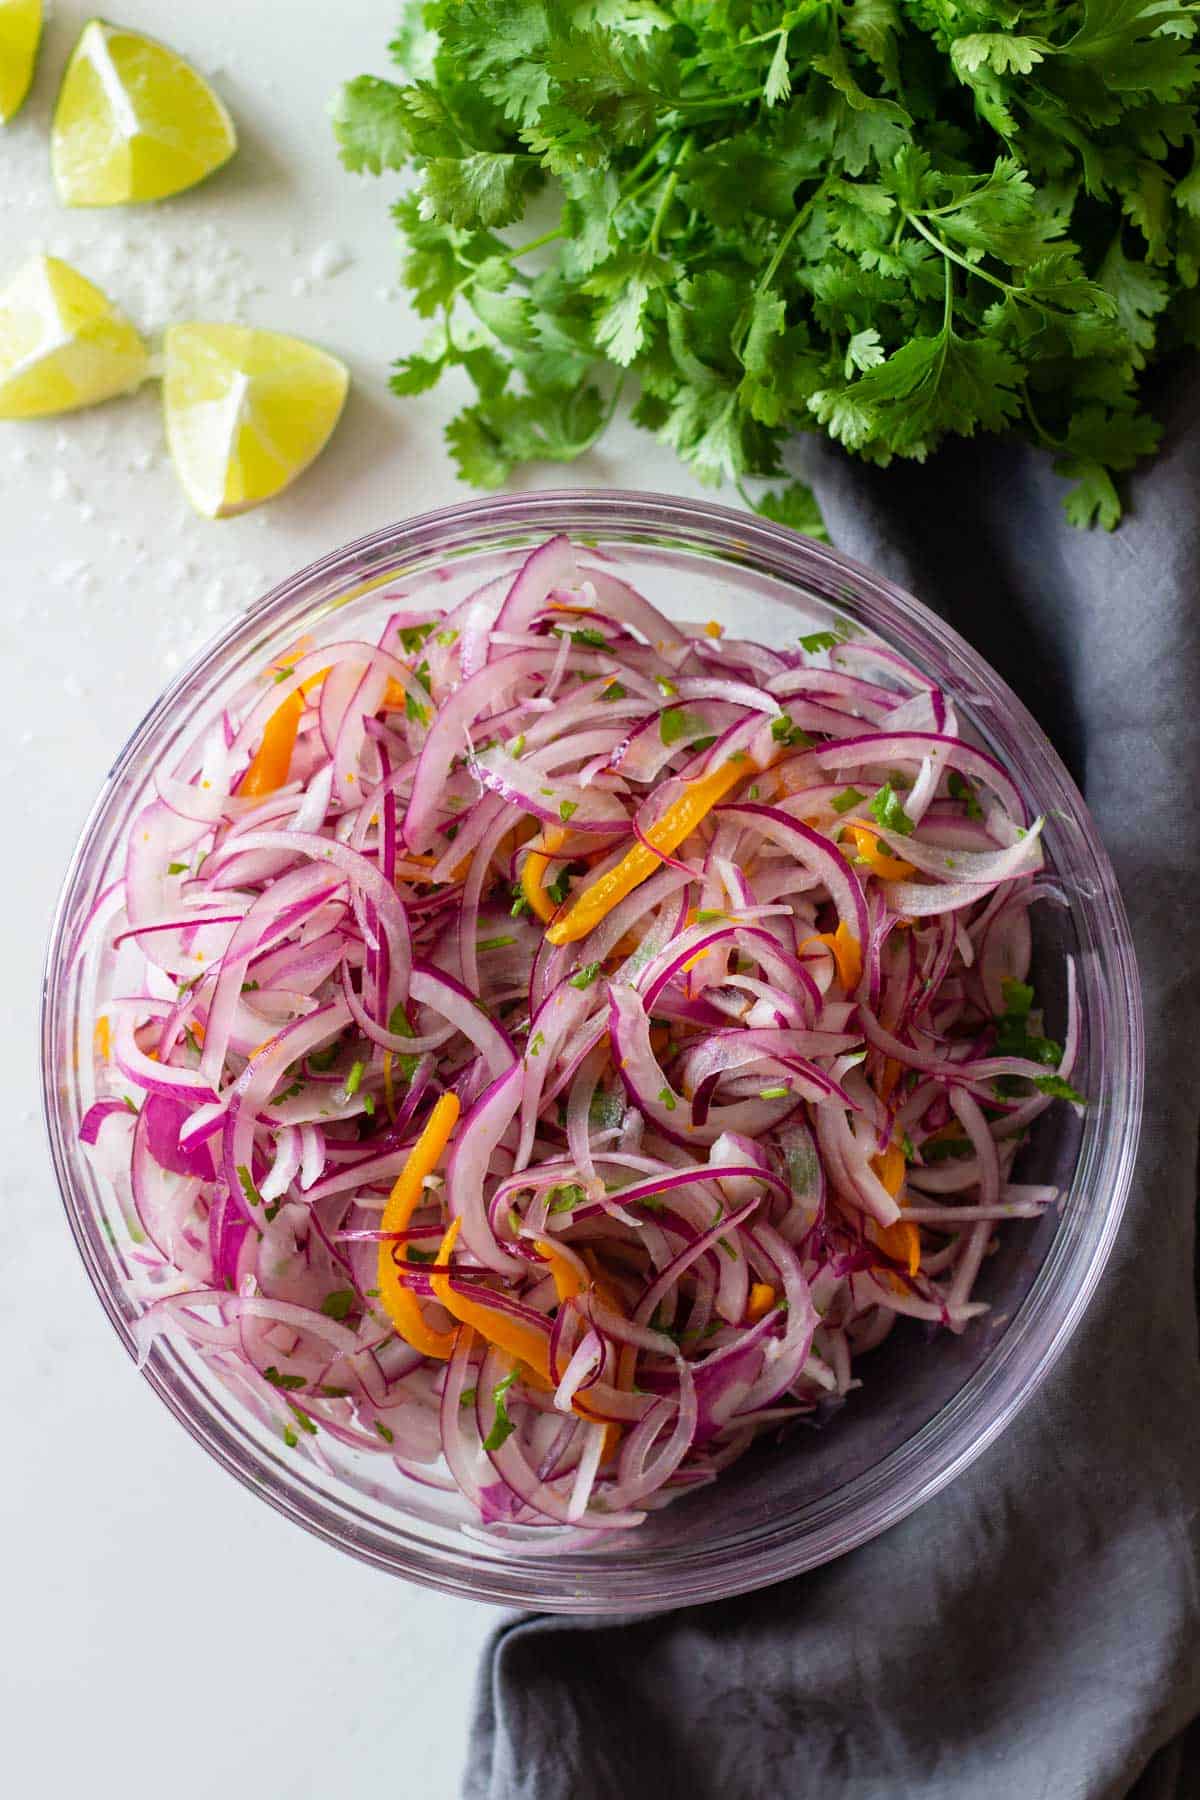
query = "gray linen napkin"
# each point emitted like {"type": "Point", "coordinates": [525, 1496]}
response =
{"type": "Point", "coordinates": [1034, 1631]}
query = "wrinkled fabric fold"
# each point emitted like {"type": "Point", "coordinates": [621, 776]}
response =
{"type": "Point", "coordinates": [1034, 1630]}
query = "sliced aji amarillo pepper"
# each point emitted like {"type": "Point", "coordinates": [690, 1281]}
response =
{"type": "Point", "coordinates": [512, 1335]}
{"type": "Point", "coordinates": [866, 843]}
{"type": "Point", "coordinates": [595, 902]}
{"type": "Point", "coordinates": [760, 1302]}
{"type": "Point", "coordinates": [403, 1307]}
{"type": "Point", "coordinates": [901, 1241]}
{"type": "Point", "coordinates": [846, 951]}
{"type": "Point", "coordinates": [533, 871]}
{"type": "Point", "coordinates": [273, 758]}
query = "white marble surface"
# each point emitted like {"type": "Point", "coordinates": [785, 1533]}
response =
{"type": "Point", "coordinates": [166, 1632]}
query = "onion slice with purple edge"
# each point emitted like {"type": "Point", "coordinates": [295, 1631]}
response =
{"type": "Point", "coordinates": [699, 1161]}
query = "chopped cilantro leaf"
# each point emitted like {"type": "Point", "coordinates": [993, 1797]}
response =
{"type": "Point", "coordinates": [567, 809]}
{"type": "Point", "coordinates": [354, 1078]}
{"type": "Point", "coordinates": [583, 978]}
{"type": "Point", "coordinates": [945, 1149]}
{"type": "Point", "coordinates": [417, 1255]}
{"type": "Point", "coordinates": [177, 868]}
{"type": "Point", "coordinates": [337, 1304]}
{"type": "Point", "coordinates": [674, 724]}
{"type": "Point", "coordinates": [494, 943]}
{"type": "Point", "coordinates": [560, 887]}
{"type": "Point", "coordinates": [960, 789]}
{"type": "Point", "coordinates": [385, 1432]}
{"type": "Point", "coordinates": [666, 1098]}
{"type": "Point", "coordinates": [413, 636]}
{"type": "Point", "coordinates": [564, 1199]}
{"type": "Point", "coordinates": [820, 640]}
{"type": "Point", "coordinates": [1058, 1089]}
{"type": "Point", "coordinates": [841, 803]}
{"type": "Point", "coordinates": [253, 1197]}
{"type": "Point", "coordinates": [288, 1383]}
{"type": "Point", "coordinates": [784, 732]}
{"type": "Point", "coordinates": [503, 1427]}
{"type": "Point", "coordinates": [887, 808]}
{"type": "Point", "coordinates": [615, 691]}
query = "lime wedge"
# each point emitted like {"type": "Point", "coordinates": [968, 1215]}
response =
{"type": "Point", "coordinates": [63, 344]}
{"type": "Point", "coordinates": [133, 122]}
{"type": "Point", "coordinates": [20, 29]}
{"type": "Point", "coordinates": [246, 411]}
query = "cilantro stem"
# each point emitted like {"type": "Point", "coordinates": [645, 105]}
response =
{"type": "Point", "coordinates": [629, 185]}
{"type": "Point", "coordinates": [953, 256]}
{"type": "Point", "coordinates": [668, 195]}
{"type": "Point", "coordinates": [547, 237]}
{"type": "Point", "coordinates": [781, 248]}
{"type": "Point", "coordinates": [1043, 436]}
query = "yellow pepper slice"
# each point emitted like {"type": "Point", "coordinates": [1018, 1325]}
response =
{"type": "Point", "coordinates": [866, 841]}
{"type": "Point", "coordinates": [403, 1307]}
{"type": "Point", "coordinates": [533, 871]}
{"type": "Point", "coordinates": [847, 953]}
{"type": "Point", "coordinates": [567, 1280]}
{"type": "Point", "coordinates": [593, 903]}
{"type": "Point", "coordinates": [511, 1335]}
{"type": "Point", "coordinates": [902, 1241]}
{"type": "Point", "coordinates": [762, 1299]}
{"type": "Point", "coordinates": [273, 758]}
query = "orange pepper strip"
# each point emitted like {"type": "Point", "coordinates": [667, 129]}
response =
{"type": "Point", "coordinates": [593, 903]}
{"type": "Point", "coordinates": [866, 841]}
{"type": "Point", "coordinates": [273, 758]}
{"type": "Point", "coordinates": [901, 1240]}
{"type": "Point", "coordinates": [567, 1279]}
{"type": "Point", "coordinates": [568, 1283]}
{"type": "Point", "coordinates": [762, 1299]}
{"type": "Point", "coordinates": [511, 1335]}
{"type": "Point", "coordinates": [889, 1078]}
{"type": "Point", "coordinates": [102, 1038]}
{"type": "Point", "coordinates": [403, 1307]}
{"type": "Point", "coordinates": [533, 870]}
{"type": "Point", "coordinates": [847, 954]}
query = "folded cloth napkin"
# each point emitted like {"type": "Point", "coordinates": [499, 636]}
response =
{"type": "Point", "coordinates": [1033, 1632]}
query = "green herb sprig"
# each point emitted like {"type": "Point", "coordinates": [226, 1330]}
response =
{"type": "Point", "coordinates": [891, 220]}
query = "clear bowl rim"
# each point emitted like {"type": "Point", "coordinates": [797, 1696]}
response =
{"type": "Point", "coordinates": [941, 1449]}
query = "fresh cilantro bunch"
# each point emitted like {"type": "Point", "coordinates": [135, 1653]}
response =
{"type": "Point", "coordinates": [896, 220]}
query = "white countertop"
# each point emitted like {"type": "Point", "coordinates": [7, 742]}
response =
{"type": "Point", "coordinates": [166, 1631]}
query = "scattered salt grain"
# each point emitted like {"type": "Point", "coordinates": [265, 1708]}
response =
{"type": "Point", "coordinates": [330, 259]}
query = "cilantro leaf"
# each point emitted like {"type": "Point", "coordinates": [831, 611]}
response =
{"type": "Point", "coordinates": [368, 122]}
{"type": "Point", "coordinates": [888, 810]}
{"type": "Point", "coordinates": [502, 1426]}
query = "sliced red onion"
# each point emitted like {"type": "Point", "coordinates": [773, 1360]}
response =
{"type": "Point", "coordinates": [697, 1111]}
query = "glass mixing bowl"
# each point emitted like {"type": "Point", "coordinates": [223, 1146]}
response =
{"type": "Point", "coordinates": [928, 1406]}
